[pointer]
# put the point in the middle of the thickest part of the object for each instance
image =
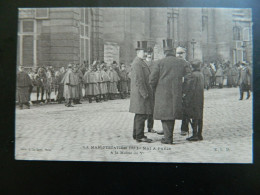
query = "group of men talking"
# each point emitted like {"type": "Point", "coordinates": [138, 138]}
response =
{"type": "Point", "coordinates": [168, 89]}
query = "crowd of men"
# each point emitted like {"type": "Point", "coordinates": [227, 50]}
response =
{"type": "Point", "coordinates": [168, 89]}
{"type": "Point", "coordinates": [100, 82]}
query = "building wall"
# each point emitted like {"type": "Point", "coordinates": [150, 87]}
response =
{"type": "Point", "coordinates": [57, 38]}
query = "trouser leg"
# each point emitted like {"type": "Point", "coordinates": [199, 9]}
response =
{"type": "Point", "coordinates": [150, 122]}
{"type": "Point", "coordinates": [168, 127]}
{"type": "Point", "coordinates": [185, 124]}
{"type": "Point", "coordinates": [194, 127]}
{"type": "Point", "coordinates": [248, 94]}
{"type": "Point", "coordinates": [37, 92]}
{"type": "Point", "coordinates": [138, 129]}
{"type": "Point", "coordinates": [241, 93]}
{"type": "Point", "coordinates": [200, 127]}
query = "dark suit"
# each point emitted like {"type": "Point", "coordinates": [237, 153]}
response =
{"type": "Point", "coordinates": [166, 81]}
{"type": "Point", "coordinates": [141, 98]}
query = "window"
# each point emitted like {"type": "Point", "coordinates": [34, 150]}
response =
{"type": "Point", "coordinates": [42, 13]}
{"type": "Point", "coordinates": [27, 43]}
{"type": "Point", "coordinates": [84, 35]}
{"type": "Point", "coordinates": [236, 33]}
{"type": "Point", "coordinates": [27, 26]}
{"type": "Point", "coordinates": [246, 36]}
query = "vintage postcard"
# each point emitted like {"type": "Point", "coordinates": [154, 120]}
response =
{"type": "Point", "coordinates": [125, 84]}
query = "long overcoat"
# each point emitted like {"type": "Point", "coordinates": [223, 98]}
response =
{"type": "Point", "coordinates": [70, 85]}
{"type": "Point", "coordinates": [219, 76]}
{"type": "Point", "coordinates": [141, 97]}
{"type": "Point", "coordinates": [166, 80]}
{"type": "Point", "coordinates": [194, 98]}
{"type": "Point", "coordinates": [123, 81]}
{"type": "Point", "coordinates": [91, 84]}
{"type": "Point", "coordinates": [244, 79]}
{"type": "Point", "coordinates": [207, 74]}
{"type": "Point", "coordinates": [23, 83]}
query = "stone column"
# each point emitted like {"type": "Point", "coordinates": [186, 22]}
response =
{"type": "Point", "coordinates": [223, 28]}
{"type": "Point", "coordinates": [64, 36]}
{"type": "Point", "coordinates": [195, 32]}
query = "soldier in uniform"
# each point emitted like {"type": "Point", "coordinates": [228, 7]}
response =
{"type": "Point", "coordinates": [219, 76]}
{"type": "Point", "coordinates": [141, 97]}
{"type": "Point", "coordinates": [23, 84]}
{"type": "Point", "coordinates": [70, 85]}
{"type": "Point", "coordinates": [91, 85]}
{"type": "Point", "coordinates": [123, 82]}
{"type": "Point", "coordinates": [207, 74]}
{"type": "Point", "coordinates": [114, 78]}
{"type": "Point", "coordinates": [166, 80]}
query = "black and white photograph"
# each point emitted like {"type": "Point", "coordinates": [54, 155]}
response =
{"type": "Point", "coordinates": [121, 84]}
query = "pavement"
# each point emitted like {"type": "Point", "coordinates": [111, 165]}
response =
{"type": "Point", "coordinates": [103, 132]}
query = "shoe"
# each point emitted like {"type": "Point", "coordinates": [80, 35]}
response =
{"type": "Point", "coordinates": [160, 132]}
{"type": "Point", "coordinates": [70, 106]}
{"type": "Point", "coordinates": [200, 137]}
{"type": "Point", "coordinates": [144, 139]}
{"type": "Point", "coordinates": [163, 141]}
{"type": "Point", "coordinates": [183, 133]}
{"type": "Point", "coordinates": [151, 131]}
{"type": "Point", "coordinates": [193, 138]}
{"type": "Point", "coordinates": [240, 99]}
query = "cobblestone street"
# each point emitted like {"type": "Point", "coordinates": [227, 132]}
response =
{"type": "Point", "coordinates": [103, 132]}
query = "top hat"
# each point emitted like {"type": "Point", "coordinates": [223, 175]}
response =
{"type": "Point", "coordinates": [149, 50]}
{"type": "Point", "coordinates": [167, 45]}
{"type": "Point", "coordinates": [141, 45]}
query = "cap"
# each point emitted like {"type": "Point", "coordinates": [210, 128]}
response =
{"type": "Point", "coordinates": [195, 63]}
{"type": "Point", "coordinates": [69, 66]}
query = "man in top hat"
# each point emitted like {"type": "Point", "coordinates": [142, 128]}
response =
{"type": "Point", "coordinates": [166, 80]}
{"type": "Point", "coordinates": [23, 84]}
{"type": "Point", "coordinates": [148, 60]}
{"type": "Point", "coordinates": [141, 97]}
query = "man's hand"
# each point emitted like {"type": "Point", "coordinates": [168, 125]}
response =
{"type": "Point", "coordinates": [146, 96]}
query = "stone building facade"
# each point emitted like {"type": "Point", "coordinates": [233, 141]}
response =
{"type": "Point", "coordinates": [58, 36]}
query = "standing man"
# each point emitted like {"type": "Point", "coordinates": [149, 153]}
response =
{"type": "Point", "coordinates": [123, 82]}
{"type": "Point", "coordinates": [141, 97]}
{"type": "Point", "coordinates": [180, 53]}
{"type": "Point", "coordinates": [70, 85]}
{"type": "Point", "coordinates": [23, 84]}
{"type": "Point", "coordinates": [150, 62]}
{"type": "Point", "coordinates": [166, 80]}
{"type": "Point", "coordinates": [244, 81]}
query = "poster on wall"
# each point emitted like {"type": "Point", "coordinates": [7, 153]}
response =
{"type": "Point", "coordinates": [111, 52]}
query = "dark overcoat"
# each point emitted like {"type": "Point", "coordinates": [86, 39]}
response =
{"type": "Point", "coordinates": [141, 98]}
{"type": "Point", "coordinates": [166, 80]}
{"type": "Point", "coordinates": [193, 100]}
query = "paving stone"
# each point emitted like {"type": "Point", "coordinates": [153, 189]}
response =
{"type": "Point", "coordinates": [55, 132]}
